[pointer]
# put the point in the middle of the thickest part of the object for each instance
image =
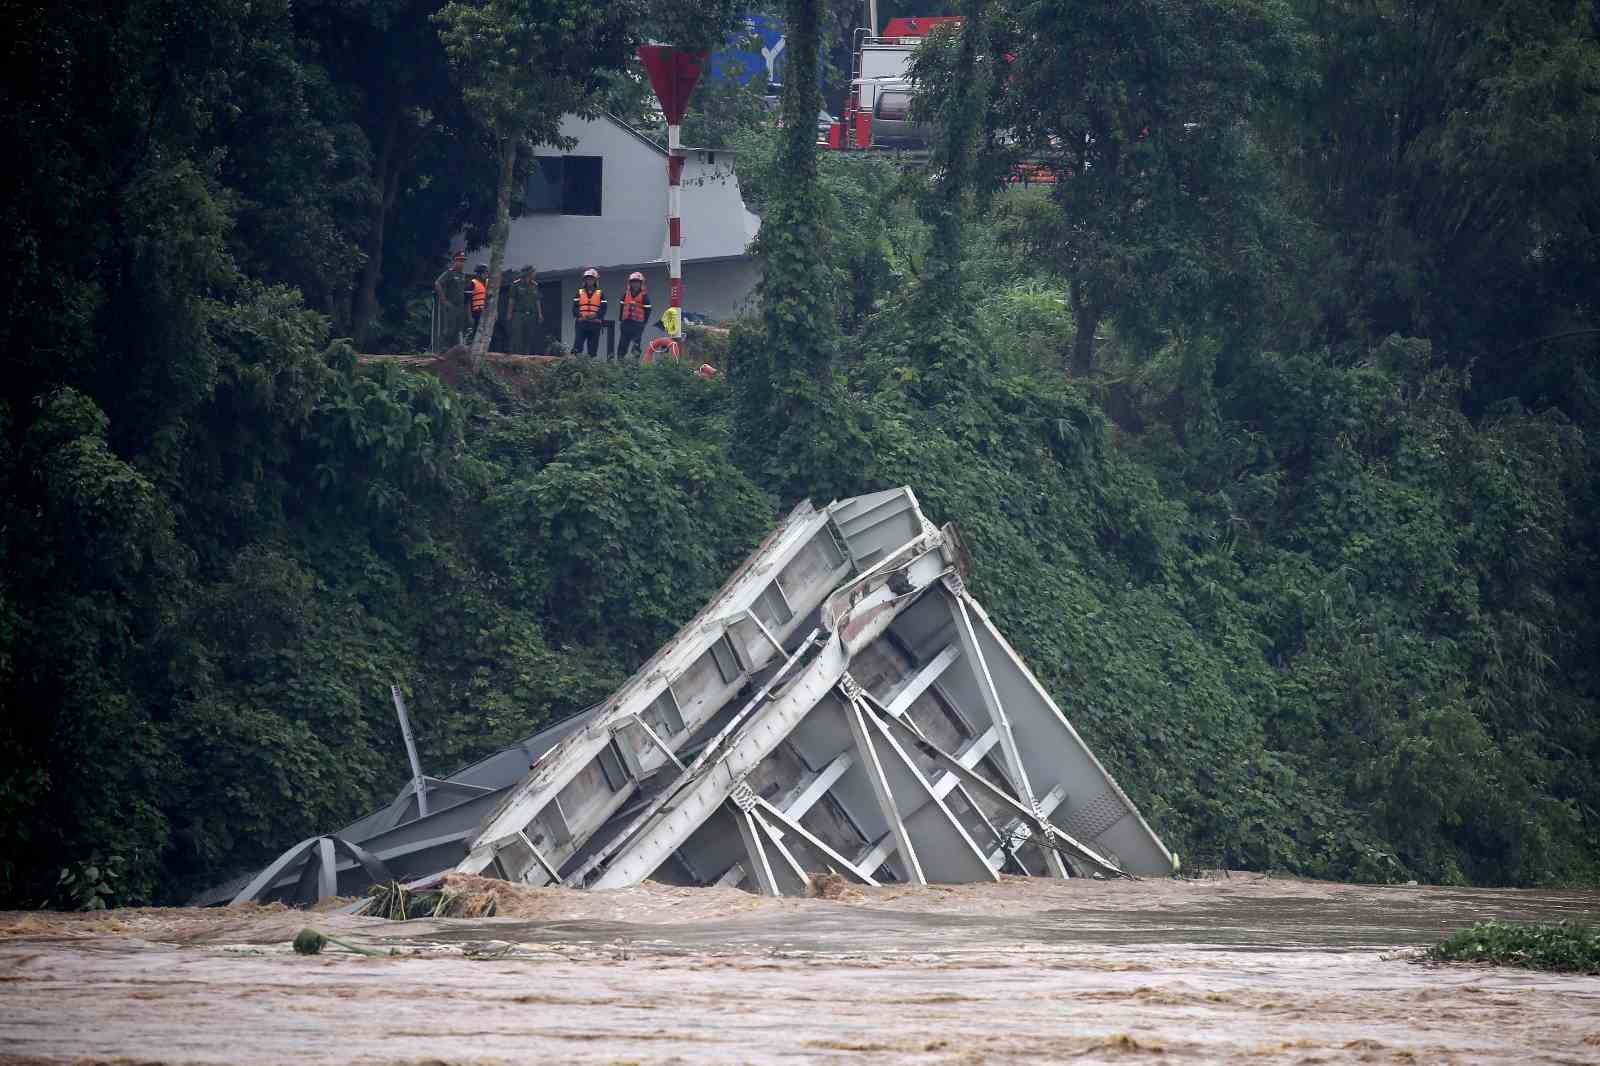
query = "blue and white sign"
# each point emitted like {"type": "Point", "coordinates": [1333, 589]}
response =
{"type": "Point", "coordinates": [753, 53]}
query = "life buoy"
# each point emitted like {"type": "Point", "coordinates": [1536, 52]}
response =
{"type": "Point", "coordinates": [665, 346]}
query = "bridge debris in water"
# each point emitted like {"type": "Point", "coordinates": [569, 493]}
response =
{"type": "Point", "coordinates": [843, 705]}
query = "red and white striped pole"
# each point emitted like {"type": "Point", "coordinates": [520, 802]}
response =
{"type": "Point", "coordinates": [673, 74]}
{"type": "Point", "coordinates": [675, 159]}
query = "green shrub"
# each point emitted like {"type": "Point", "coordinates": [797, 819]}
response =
{"type": "Point", "coordinates": [1564, 947]}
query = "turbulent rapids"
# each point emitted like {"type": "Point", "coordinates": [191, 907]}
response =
{"type": "Point", "coordinates": [1229, 969]}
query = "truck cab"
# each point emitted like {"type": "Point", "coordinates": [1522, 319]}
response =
{"type": "Point", "coordinates": [892, 125]}
{"type": "Point", "coordinates": [880, 90]}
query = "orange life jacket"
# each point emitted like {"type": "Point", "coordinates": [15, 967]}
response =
{"type": "Point", "coordinates": [477, 294]}
{"type": "Point", "coordinates": [589, 303]}
{"type": "Point", "coordinates": [633, 306]}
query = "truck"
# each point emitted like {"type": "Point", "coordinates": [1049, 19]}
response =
{"type": "Point", "coordinates": [877, 111]}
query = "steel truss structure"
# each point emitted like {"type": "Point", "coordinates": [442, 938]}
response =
{"type": "Point", "coordinates": [843, 704]}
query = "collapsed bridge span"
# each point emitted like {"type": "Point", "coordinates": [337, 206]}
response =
{"type": "Point", "coordinates": [843, 704]}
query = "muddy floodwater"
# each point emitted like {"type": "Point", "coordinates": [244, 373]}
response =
{"type": "Point", "coordinates": [1236, 969]}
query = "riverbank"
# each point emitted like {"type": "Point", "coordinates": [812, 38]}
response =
{"type": "Point", "coordinates": [1023, 971]}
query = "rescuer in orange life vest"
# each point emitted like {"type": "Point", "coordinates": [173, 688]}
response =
{"type": "Point", "coordinates": [474, 294]}
{"type": "Point", "coordinates": [588, 312]}
{"type": "Point", "coordinates": [633, 314]}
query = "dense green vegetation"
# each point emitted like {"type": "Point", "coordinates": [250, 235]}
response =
{"type": "Point", "coordinates": [1564, 947]}
{"type": "Point", "coordinates": [1272, 426]}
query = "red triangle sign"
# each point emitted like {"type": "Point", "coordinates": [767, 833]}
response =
{"type": "Point", "coordinates": [673, 74]}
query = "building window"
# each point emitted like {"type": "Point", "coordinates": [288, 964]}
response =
{"type": "Point", "coordinates": [564, 185]}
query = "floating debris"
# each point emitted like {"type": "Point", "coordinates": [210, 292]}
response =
{"type": "Point", "coordinates": [396, 901]}
{"type": "Point", "coordinates": [310, 942]}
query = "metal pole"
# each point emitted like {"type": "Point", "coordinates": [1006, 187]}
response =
{"type": "Point", "coordinates": [675, 158]}
{"type": "Point", "coordinates": [968, 638]}
{"type": "Point", "coordinates": [417, 783]}
{"type": "Point", "coordinates": [880, 788]}
{"type": "Point", "coordinates": [872, 16]}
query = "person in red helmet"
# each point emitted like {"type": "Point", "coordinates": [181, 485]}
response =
{"type": "Point", "coordinates": [588, 312]}
{"type": "Point", "coordinates": [633, 314]}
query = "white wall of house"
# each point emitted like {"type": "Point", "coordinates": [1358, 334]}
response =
{"type": "Point", "coordinates": [716, 224]}
{"type": "Point", "coordinates": [632, 225]}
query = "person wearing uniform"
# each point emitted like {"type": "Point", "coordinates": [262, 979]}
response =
{"type": "Point", "coordinates": [447, 291]}
{"type": "Point", "coordinates": [633, 314]}
{"type": "Point", "coordinates": [588, 312]}
{"type": "Point", "coordinates": [523, 312]}
{"type": "Point", "coordinates": [474, 295]}
{"type": "Point", "coordinates": [513, 328]}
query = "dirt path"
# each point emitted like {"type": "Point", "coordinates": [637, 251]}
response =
{"type": "Point", "coordinates": [1243, 969]}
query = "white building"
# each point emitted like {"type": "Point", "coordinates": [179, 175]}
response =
{"type": "Point", "coordinates": [603, 203]}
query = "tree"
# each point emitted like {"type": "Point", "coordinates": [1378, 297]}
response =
{"type": "Point", "coordinates": [788, 378]}
{"type": "Point", "coordinates": [523, 65]}
{"type": "Point", "coordinates": [1142, 106]}
{"type": "Point", "coordinates": [386, 57]}
{"type": "Point", "coordinates": [955, 67]}
{"type": "Point", "coordinates": [299, 164]}
{"type": "Point", "coordinates": [116, 233]}
{"type": "Point", "coordinates": [1450, 149]}
{"type": "Point", "coordinates": [721, 110]}
{"type": "Point", "coordinates": [796, 302]}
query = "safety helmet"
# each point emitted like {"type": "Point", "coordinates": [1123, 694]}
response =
{"type": "Point", "coordinates": [481, 268]}
{"type": "Point", "coordinates": [636, 276]}
{"type": "Point", "coordinates": [592, 273]}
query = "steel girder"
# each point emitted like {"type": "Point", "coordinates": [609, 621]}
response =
{"type": "Point", "coordinates": [894, 734]}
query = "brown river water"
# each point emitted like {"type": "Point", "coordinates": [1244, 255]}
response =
{"type": "Point", "coordinates": [1219, 970]}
